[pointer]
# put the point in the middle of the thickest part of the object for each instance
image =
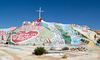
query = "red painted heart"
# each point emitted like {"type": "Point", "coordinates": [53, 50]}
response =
{"type": "Point", "coordinates": [23, 36]}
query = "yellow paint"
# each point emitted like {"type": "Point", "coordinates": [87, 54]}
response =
{"type": "Point", "coordinates": [48, 27]}
{"type": "Point", "coordinates": [92, 35]}
{"type": "Point", "coordinates": [91, 43]}
{"type": "Point", "coordinates": [32, 24]}
{"type": "Point", "coordinates": [87, 39]}
{"type": "Point", "coordinates": [54, 41]}
{"type": "Point", "coordinates": [53, 29]}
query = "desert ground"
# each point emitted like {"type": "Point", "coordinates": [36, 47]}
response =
{"type": "Point", "coordinates": [11, 52]}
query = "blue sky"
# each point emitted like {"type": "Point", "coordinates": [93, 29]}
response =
{"type": "Point", "coordinates": [81, 12]}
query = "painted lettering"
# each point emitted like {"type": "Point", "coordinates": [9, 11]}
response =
{"type": "Point", "coordinates": [28, 26]}
{"type": "Point", "coordinates": [21, 28]}
{"type": "Point", "coordinates": [39, 28]}
{"type": "Point", "coordinates": [33, 27]}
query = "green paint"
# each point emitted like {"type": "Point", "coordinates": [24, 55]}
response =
{"type": "Point", "coordinates": [13, 32]}
{"type": "Point", "coordinates": [81, 33]}
{"type": "Point", "coordinates": [47, 28]}
{"type": "Point", "coordinates": [64, 34]}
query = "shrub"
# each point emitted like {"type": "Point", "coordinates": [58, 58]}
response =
{"type": "Point", "coordinates": [52, 48]}
{"type": "Point", "coordinates": [65, 48]}
{"type": "Point", "coordinates": [39, 51]}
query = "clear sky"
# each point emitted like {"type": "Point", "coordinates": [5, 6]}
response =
{"type": "Point", "coordinates": [81, 12]}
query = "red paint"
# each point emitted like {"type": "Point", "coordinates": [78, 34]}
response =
{"type": "Point", "coordinates": [95, 36]}
{"type": "Point", "coordinates": [43, 44]}
{"type": "Point", "coordinates": [45, 41]}
{"type": "Point", "coordinates": [2, 37]}
{"type": "Point", "coordinates": [87, 27]}
{"type": "Point", "coordinates": [2, 33]}
{"type": "Point", "coordinates": [49, 40]}
{"type": "Point", "coordinates": [39, 20]}
{"type": "Point", "coordinates": [74, 25]}
{"type": "Point", "coordinates": [23, 36]}
{"type": "Point", "coordinates": [34, 44]}
{"type": "Point", "coordinates": [84, 30]}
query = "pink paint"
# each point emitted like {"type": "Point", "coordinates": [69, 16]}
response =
{"type": "Point", "coordinates": [84, 30]}
{"type": "Point", "coordinates": [87, 27]}
{"type": "Point", "coordinates": [2, 32]}
{"type": "Point", "coordinates": [45, 41]}
{"type": "Point", "coordinates": [39, 28]}
{"type": "Point", "coordinates": [12, 28]}
{"type": "Point", "coordinates": [21, 28]}
{"type": "Point", "coordinates": [74, 25]}
{"type": "Point", "coordinates": [35, 23]}
{"type": "Point", "coordinates": [28, 26]}
{"type": "Point", "coordinates": [33, 27]}
{"type": "Point", "coordinates": [23, 36]}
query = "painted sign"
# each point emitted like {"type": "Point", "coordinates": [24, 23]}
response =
{"type": "Point", "coordinates": [23, 36]}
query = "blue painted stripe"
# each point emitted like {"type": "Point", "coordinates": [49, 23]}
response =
{"type": "Point", "coordinates": [27, 59]}
{"type": "Point", "coordinates": [73, 56]}
{"type": "Point", "coordinates": [11, 52]}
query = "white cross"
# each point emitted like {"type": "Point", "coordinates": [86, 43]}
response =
{"type": "Point", "coordinates": [40, 12]}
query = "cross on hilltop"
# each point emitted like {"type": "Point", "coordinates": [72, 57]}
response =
{"type": "Point", "coordinates": [40, 12]}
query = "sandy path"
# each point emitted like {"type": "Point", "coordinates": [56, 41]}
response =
{"type": "Point", "coordinates": [13, 55]}
{"type": "Point", "coordinates": [99, 55]}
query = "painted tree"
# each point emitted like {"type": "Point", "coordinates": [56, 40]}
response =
{"type": "Point", "coordinates": [2, 33]}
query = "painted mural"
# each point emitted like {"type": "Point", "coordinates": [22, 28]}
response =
{"type": "Point", "coordinates": [32, 35]}
{"type": "Point", "coordinates": [85, 30]}
{"type": "Point", "coordinates": [41, 33]}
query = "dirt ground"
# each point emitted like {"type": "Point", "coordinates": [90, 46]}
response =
{"type": "Point", "coordinates": [25, 53]}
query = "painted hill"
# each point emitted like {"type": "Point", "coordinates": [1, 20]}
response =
{"type": "Point", "coordinates": [41, 33]}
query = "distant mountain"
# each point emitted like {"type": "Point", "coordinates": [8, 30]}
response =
{"type": "Point", "coordinates": [97, 31]}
